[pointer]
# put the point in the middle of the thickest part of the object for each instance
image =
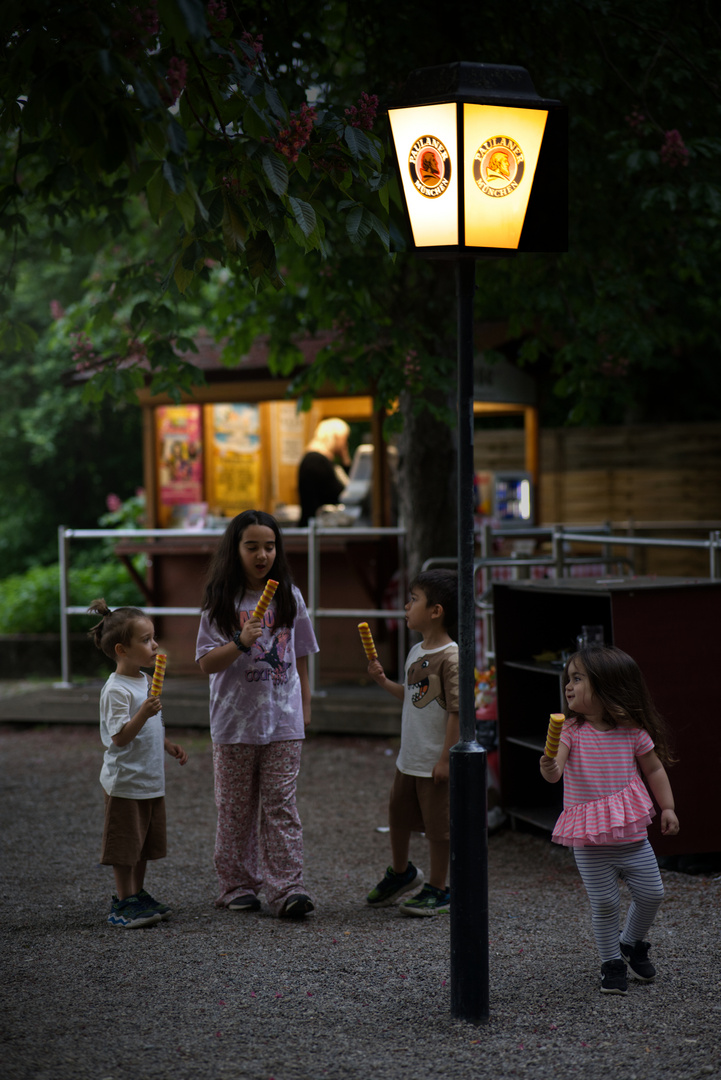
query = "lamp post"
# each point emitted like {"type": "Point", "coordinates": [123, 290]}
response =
{"type": "Point", "coordinates": [482, 162]}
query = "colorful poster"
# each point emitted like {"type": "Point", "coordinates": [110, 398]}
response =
{"type": "Point", "coordinates": [236, 460]}
{"type": "Point", "coordinates": [180, 454]}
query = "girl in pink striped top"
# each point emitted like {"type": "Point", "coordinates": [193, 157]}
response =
{"type": "Point", "coordinates": [612, 732]}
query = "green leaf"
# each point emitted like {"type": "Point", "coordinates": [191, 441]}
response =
{"type": "Point", "coordinates": [304, 214]}
{"type": "Point", "coordinates": [276, 173]}
{"type": "Point", "coordinates": [192, 255]}
{"type": "Point", "coordinates": [184, 19]}
{"type": "Point", "coordinates": [260, 254]}
{"type": "Point", "coordinates": [303, 166]}
{"type": "Point", "coordinates": [176, 137]}
{"type": "Point", "coordinates": [141, 177]}
{"type": "Point", "coordinates": [175, 177]}
{"type": "Point", "coordinates": [254, 122]}
{"type": "Point", "coordinates": [358, 224]}
{"type": "Point", "coordinates": [147, 94]}
{"type": "Point", "coordinates": [182, 277]}
{"type": "Point", "coordinates": [234, 230]}
{"type": "Point", "coordinates": [160, 198]}
{"type": "Point", "coordinates": [25, 337]}
{"type": "Point", "coordinates": [378, 227]}
{"type": "Point", "coordinates": [360, 145]}
{"type": "Point", "coordinates": [275, 103]}
{"type": "Point", "coordinates": [186, 206]}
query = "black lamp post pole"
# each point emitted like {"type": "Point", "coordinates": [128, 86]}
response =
{"type": "Point", "coordinates": [468, 810]}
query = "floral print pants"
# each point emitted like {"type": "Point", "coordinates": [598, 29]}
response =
{"type": "Point", "coordinates": [259, 837]}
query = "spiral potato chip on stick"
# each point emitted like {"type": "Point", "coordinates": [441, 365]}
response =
{"type": "Point", "coordinates": [268, 594]}
{"type": "Point", "coordinates": [367, 638]}
{"type": "Point", "coordinates": [156, 687]}
{"type": "Point", "coordinates": [554, 734]}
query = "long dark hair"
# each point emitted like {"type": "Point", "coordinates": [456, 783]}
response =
{"type": "Point", "coordinates": [616, 680]}
{"type": "Point", "coordinates": [226, 584]}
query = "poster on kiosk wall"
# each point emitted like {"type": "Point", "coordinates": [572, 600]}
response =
{"type": "Point", "coordinates": [234, 475]}
{"type": "Point", "coordinates": [180, 455]}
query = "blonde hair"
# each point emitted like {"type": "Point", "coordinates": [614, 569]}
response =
{"type": "Point", "coordinates": [327, 431]}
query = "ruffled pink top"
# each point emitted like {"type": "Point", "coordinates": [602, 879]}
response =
{"type": "Point", "coordinates": [605, 800]}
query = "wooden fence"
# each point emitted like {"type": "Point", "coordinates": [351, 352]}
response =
{"type": "Point", "coordinates": [638, 475]}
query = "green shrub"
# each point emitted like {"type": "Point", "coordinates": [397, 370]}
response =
{"type": "Point", "coordinates": [30, 602]}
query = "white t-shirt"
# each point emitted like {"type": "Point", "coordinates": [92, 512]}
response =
{"type": "Point", "coordinates": [429, 694]}
{"type": "Point", "coordinates": [135, 771]}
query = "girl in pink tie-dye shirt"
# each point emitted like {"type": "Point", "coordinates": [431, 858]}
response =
{"type": "Point", "coordinates": [259, 709]}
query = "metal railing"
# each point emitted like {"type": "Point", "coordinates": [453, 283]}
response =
{"type": "Point", "coordinates": [315, 534]}
{"type": "Point", "coordinates": [561, 562]}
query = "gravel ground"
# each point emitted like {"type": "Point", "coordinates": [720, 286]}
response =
{"type": "Point", "coordinates": [349, 992]}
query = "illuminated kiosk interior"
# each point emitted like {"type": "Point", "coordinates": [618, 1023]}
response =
{"type": "Point", "coordinates": [235, 443]}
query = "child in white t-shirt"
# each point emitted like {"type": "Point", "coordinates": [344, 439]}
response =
{"type": "Point", "coordinates": [429, 728]}
{"type": "Point", "coordinates": [133, 772]}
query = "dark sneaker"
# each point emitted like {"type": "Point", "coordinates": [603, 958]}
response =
{"type": "Point", "coordinates": [162, 909]}
{"type": "Point", "coordinates": [244, 903]}
{"type": "Point", "coordinates": [429, 901]}
{"type": "Point", "coordinates": [297, 906]}
{"type": "Point", "coordinates": [394, 885]}
{"type": "Point", "coordinates": [613, 977]}
{"type": "Point", "coordinates": [131, 914]}
{"type": "Point", "coordinates": [636, 956]}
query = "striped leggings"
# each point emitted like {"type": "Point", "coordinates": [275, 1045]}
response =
{"type": "Point", "coordinates": [600, 869]}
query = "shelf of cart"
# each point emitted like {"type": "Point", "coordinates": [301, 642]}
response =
{"type": "Point", "coordinates": [543, 817]}
{"type": "Point", "coordinates": [536, 666]}
{"type": "Point", "coordinates": [529, 742]}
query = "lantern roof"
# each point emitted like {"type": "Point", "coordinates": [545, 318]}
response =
{"type": "Point", "coordinates": [492, 84]}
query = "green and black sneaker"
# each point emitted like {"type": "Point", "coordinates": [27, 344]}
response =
{"type": "Point", "coordinates": [394, 885]}
{"type": "Point", "coordinates": [429, 901]}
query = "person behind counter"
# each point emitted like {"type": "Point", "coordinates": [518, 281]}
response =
{"type": "Point", "coordinates": [320, 481]}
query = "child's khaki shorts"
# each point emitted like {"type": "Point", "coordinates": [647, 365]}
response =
{"type": "Point", "coordinates": [134, 830]}
{"type": "Point", "coordinates": [420, 804]}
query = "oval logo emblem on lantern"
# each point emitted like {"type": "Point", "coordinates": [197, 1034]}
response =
{"type": "Point", "coordinates": [430, 166]}
{"type": "Point", "coordinates": [498, 166]}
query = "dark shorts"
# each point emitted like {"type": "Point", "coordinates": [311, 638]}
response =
{"type": "Point", "coordinates": [420, 804]}
{"type": "Point", "coordinates": [134, 830]}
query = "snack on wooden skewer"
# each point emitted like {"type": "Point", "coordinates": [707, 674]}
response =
{"type": "Point", "coordinates": [554, 734]}
{"type": "Point", "coordinates": [156, 687]}
{"type": "Point", "coordinates": [367, 638]}
{"type": "Point", "coordinates": [268, 594]}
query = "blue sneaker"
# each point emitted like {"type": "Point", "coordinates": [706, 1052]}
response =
{"type": "Point", "coordinates": [131, 913]}
{"type": "Point", "coordinates": [429, 901]}
{"type": "Point", "coordinates": [162, 909]}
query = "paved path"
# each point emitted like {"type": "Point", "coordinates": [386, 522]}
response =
{"type": "Point", "coordinates": [349, 994]}
{"type": "Point", "coordinates": [348, 710]}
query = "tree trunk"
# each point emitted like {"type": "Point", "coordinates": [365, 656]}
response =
{"type": "Point", "coordinates": [426, 484]}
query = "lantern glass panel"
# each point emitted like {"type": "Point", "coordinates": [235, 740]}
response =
{"type": "Point", "coordinates": [501, 148]}
{"type": "Point", "coordinates": [426, 142]}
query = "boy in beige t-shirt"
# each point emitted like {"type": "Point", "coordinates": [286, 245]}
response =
{"type": "Point", "coordinates": [429, 728]}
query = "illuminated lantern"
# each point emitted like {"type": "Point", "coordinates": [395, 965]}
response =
{"type": "Point", "coordinates": [482, 162]}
